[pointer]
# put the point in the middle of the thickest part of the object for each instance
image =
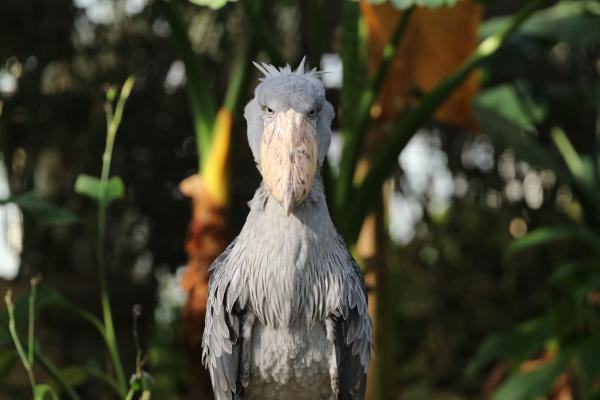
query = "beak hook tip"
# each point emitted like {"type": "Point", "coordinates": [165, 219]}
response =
{"type": "Point", "coordinates": [288, 204]}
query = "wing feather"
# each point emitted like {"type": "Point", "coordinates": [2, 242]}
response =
{"type": "Point", "coordinates": [222, 341]}
{"type": "Point", "coordinates": [353, 338]}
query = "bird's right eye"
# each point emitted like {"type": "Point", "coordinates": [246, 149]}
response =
{"type": "Point", "coordinates": [267, 110]}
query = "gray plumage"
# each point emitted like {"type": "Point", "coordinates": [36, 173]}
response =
{"type": "Point", "coordinates": [287, 308]}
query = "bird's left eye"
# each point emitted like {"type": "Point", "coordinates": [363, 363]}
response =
{"type": "Point", "coordinates": [312, 114]}
{"type": "Point", "coordinates": [268, 111]}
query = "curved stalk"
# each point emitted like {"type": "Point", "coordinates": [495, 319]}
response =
{"type": "Point", "coordinates": [109, 331]}
{"type": "Point", "coordinates": [356, 135]}
{"type": "Point", "coordinates": [17, 342]}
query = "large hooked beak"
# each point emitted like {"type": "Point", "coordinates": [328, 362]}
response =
{"type": "Point", "coordinates": [288, 157]}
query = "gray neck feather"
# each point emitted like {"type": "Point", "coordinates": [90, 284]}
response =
{"type": "Point", "coordinates": [289, 269]}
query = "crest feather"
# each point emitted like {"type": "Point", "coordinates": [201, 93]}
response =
{"type": "Point", "coordinates": [271, 71]}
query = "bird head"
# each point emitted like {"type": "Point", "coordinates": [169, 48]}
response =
{"type": "Point", "coordinates": [289, 130]}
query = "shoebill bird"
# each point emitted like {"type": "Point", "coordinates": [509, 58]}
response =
{"type": "Point", "coordinates": [287, 308]}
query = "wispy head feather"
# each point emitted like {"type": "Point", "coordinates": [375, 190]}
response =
{"type": "Point", "coordinates": [271, 71]}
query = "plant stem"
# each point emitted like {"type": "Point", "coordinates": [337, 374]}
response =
{"type": "Point", "coordinates": [201, 100]}
{"type": "Point", "coordinates": [350, 64]}
{"type": "Point", "coordinates": [239, 76]}
{"type": "Point", "coordinates": [384, 160]}
{"type": "Point", "coordinates": [354, 140]}
{"type": "Point", "coordinates": [31, 327]}
{"type": "Point", "coordinates": [15, 338]}
{"type": "Point", "coordinates": [316, 31]}
{"type": "Point", "coordinates": [594, 150]}
{"type": "Point", "coordinates": [109, 331]}
{"type": "Point", "coordinates": [258, 24]}
{"type": "Point", "coordinates": [130, 394]}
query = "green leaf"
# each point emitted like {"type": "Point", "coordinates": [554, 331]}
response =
{"type": "Point", "coordinates": [111, 93]}
{"type": "Point", "coordinates": [115, 189]}
{"type": "Point", "coordinates": [569, 154]}
{"type": "Point", "coordinates": [573, 22]}
{"type": "Point", "coordinates": [531, 385]}
{"type": "Point", "coordinates": [568, 270]}
{"type": "Point", "coordinates": [506, 134]}
{"type": "Point", "coordinates": [88, 186]}
{"type": "Point", "coordinates": [74, 375]}
{"type": "Point", "coordinates": [43, 391]}
{"type": "Point", "coordinates": [213, 4]}
{"type": "Point", "coordinates": [517, 106]}
{"type": "Point", "coordinates": [40, 209]}
{"type": "Point", "coordinates": [517, 345]}
{"type": "Point", "coordinates": [547, 235]}
{"type": "Point", "coordinates": [91, 187]}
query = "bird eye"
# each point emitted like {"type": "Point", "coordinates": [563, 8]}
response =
{"type": "Point", "coordinates": [267, 110]}
{"type": "Point", "coordinates": [312, 113]}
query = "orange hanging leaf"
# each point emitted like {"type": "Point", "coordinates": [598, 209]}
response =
{"type": "Point", "coordinates": [436, 43]}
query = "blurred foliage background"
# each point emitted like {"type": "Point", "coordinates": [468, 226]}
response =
{"type": "Point", "coordinates": [464, 174]}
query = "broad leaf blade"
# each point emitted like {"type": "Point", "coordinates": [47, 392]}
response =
{"type": "Point", "coordinates": [569, 154]}
{"type": "Point", "coordinates": [42, 210]}
{"type": "Point", "coordinates": [517, 345]}
{"type": "Point", "coordinates": [531, 385]}
{"type": "Point", "coordinates": [91, 187]}
{"type": "Point", "coordinates": [511, 104]}
{"type": "Point", "coordinates": [115, 189]}
{"type": "Point", "coordinates": [507, 134]}
{"type": "Point", "coordinates": [574, 22]}
{"type": "Point", "coordinates": [74, 375]}
{"type": "Point", "coordinates": [546, 235]}
{"type": "Point", "coordinates": [44, 392]}
{"type": "Point", "coordinates": [213, 4]}
{"type": "Point", "coordinates": [88, 186]}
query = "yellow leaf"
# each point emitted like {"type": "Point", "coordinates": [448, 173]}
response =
{"type": "Point", "coordinates": [215, 174]}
